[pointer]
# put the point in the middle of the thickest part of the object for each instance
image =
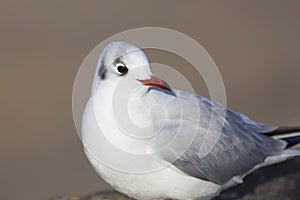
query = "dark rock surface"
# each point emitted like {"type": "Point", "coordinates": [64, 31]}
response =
{"type": "Point", "coordinates": [277, 182]}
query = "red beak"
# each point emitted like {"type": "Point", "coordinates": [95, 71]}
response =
{"type": "Point", "coordinates": [157, 83]}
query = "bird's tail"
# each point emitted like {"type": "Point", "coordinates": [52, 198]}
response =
{"type": "Point", "coordinates": [289, 134]}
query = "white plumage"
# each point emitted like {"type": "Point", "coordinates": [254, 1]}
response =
{"type": "Point", "coordinates": [153, 142]}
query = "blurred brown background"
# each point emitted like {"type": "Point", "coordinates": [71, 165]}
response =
{"type": "Point", "coordinates": [255, 44]}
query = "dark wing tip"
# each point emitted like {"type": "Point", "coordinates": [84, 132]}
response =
{"type": "Point", "coordinates": [292, 140]}
{"type": "Point", "coordinates": [283, 130]}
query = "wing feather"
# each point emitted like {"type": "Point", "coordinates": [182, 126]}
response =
{"type": "Point", "coordinates": [224, 144]}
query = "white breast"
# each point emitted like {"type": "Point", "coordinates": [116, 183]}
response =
{"type": "Point", "coordinates": [159, 185]}
{"type": "Point", "coordinates": [166, 183]}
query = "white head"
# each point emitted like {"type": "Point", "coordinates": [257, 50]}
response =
{"type": "Point", "coordinates": [121, 61]}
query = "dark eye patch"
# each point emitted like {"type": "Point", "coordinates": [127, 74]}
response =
{"type": "Point", "coordinates": [118, 60]}
{"type": "Point", "coordinates": [102, 71]}
{"type": "Point", "coordinates": [121, 67]}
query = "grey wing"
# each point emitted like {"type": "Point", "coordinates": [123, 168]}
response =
{"type": "Point", "coordinates": [229, 148]}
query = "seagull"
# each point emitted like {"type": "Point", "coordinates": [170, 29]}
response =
{"type": "Point", "coordinates": [152, 142]}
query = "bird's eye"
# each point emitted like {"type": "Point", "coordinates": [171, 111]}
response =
{"type": "Point", "coordinates": [121, 68]}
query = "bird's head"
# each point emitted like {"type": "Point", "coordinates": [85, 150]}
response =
{"type": "Point", "coordinates": [121, 62]}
